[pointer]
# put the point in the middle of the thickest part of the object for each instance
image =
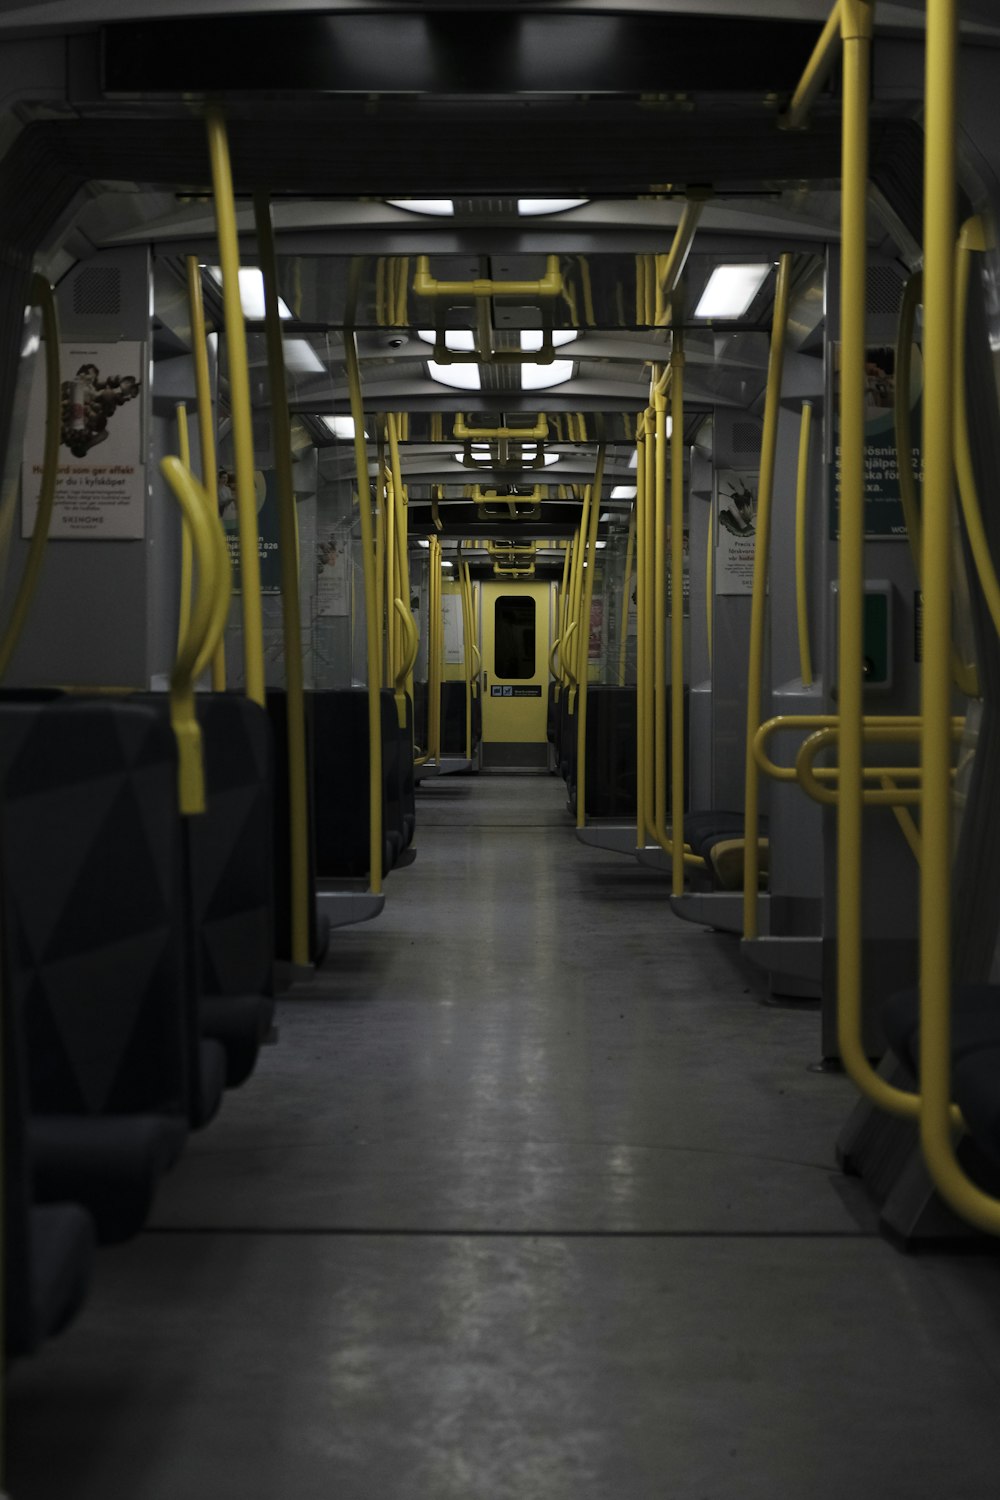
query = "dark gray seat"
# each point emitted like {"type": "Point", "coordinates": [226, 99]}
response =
{"type": "Point", "coordinates": [97, 953]}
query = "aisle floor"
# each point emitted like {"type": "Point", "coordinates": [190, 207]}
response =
{"type": "Point", "coordinates": [534, 1198]}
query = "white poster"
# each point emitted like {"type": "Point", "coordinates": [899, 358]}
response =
{"type": "Point", "coordinates": [101, 489]}
{"type": "Point", "coordinates": [333, 562]}
{"type": "Point", "coordinates": [454, 639]}
{"type": "Point", "coordinates": [736, 522]}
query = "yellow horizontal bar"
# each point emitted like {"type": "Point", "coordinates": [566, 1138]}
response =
{"type": "Point", "coordinates": [462, 432]}
{"type": "Point", "coordinates": [817, 71]}
{"type": "Point", "coordinates": [426, 285]}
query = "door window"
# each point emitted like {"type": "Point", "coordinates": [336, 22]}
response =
{"type": "Point", "coordinates": [514, 636]}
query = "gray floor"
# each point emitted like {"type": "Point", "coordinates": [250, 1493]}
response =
{"type": "Point", "coordinates": [535, 1198]}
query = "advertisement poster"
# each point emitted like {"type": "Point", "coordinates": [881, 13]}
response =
{"type": "Point", "coordinates": [883, 508]}
{"type": "Point", "coordinates": [736, 530]}
{"type": "Point", "coordinates": [101, 488]}
{"type": "Point", "coordinates": [454, 639]}
{"type": "Point", "coordinates": [265, 485]}
{"type": "Point", "coordinates": [686, 565]}
{"type": "Point", "coordinates": [596, 647]}
{"type": "Point", "coordinates": [333, 570]}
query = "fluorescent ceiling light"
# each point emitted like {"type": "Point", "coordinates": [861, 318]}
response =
{"type": "Point", "coordinates": [633, 461]}
{"type": "Point", "coordinates": [460, 377]}
{"type": "Point", "coordinates": [549, 458]}
{"type": "Point", "coordinates": [339, 427]}
{"type": "Point", "coordinates": [730, 290]}
{"type": "Point", "coordinates": [422, 543]}
{"type": "Point", "coordinates": [623, 492]}
{"type": "Point", "coordinates": [251, 292]}
{"type": "Point", "coordinates": [532, 338]}
{"type": "Point", "coordinates": [458, 340]}
{"type": "Point", "coordinates": [541, 377]}
{"type": "Point", "coordinates": [600, 544]}
{"type": "Point", "coordinates": [445, 563]}
{"type": "Point", "coordinates": [302, 359]}
{"type": "Point", "coordinates": [439, 206]}
{"type": "Point", "coordinates": [528, 206]}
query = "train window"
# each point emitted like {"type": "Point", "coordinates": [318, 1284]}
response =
{"type": "Point", "coordinates": [514, 636]}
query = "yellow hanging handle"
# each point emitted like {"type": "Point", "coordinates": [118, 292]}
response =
{"type": "Point", "coordinates": [193, 501]}
{"type": "Point", "coordinates": [42, 297]}
{"type": "Point", "coordinates": [409, 656]}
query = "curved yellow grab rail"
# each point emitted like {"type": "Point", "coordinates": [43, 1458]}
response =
{"type": "Point", "coordinates": [936, 1116]}
{"type": "Point", "coordinates": [811, 783]}
{"type": "Point", "coordinates": [184, 721]}
{"type": "Point", "coordinates": [291, 614]}
{"type": "Point", "coordinates": [206, 425]}
{"type": "Point", "coordinates": [567, 656]}
{"type": "Point", "coordinates": [42, 297]}
{"type": "Point", "coordinates": [409, 656]}
{"type": "Point", "coordinates": [187, 560]}
{"type": "Point", "coordinates": [464, 433]}
{"type": "Point", "coordinates": [801, 547]}
{"type": "Point", "coordinates": [239, 386]}
{"type": "Point", "coordinates": [787, 723]}
{"type": "Point", "coordinates": [710, 582]}
{"type": "Point", "coordinates": [468, 627]}
{"type": "Point", "coordinates": [426, 285]}
{"type": "Point", "coordinates": [588, 602]}
{"type": "Point", "coordinates": [758, 605]}
{"type": "Point", "coordinates": [552, 657]}
{"type": "Point", "coordinates": [373, 625]}
{"type": "Point", "coordinates": [971, 240]}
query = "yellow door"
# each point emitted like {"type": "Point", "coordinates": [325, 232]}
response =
{"type": "Point", "coordinates": [516, 626]}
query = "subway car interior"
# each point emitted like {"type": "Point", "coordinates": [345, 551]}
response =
{"type": "Point", "coordinates": [499, 760]}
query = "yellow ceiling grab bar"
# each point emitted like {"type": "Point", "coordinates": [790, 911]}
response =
{"type": "Point", "coordinates": [42, 297]}
{"type": "Point", "coordinates": [816, 72]}
{"type": "Point", "coordinates": [465, 433]}
{"type": "Point", "coordinates": [426, 285]}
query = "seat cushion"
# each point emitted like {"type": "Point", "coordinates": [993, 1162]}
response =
{"type": "Point", "coordinates": [975, 1022]}
{"type": "Point", "coordinates": [241, 1023]}
{"type": "Point", "coordinates": [211, 1081]}
{"type": "Point", "coordinates": [111, 1165]}
{"type": "Point", "coordinates": [62, 1259]}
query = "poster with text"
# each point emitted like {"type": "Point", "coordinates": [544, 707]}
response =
{"type": "Point", "coordinates": [333, 564]}
{"type": "Point", "coordinates": [454, 637]}
{"type": "Point", "coordinates": [265, 483]}
{"type": "Point", "coordinates": [736, 530]}
{"type": "Point", "coordinates": [883, 507]}
{"type": "Point", "coordinates": [101, 486]}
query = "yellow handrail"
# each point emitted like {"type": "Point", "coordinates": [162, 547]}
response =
{"type": "Point", "coordinates": [426, 285]}
{"type": "Point", "coordinates": [588, 602]}
{"type": "Point", "coordinates": [465, 584]}
{"type": "Point", "coordinates": [667, 268]}
{"type": "Point", "coordinates": [41, 296]}
{"type": "Point", "coordinates": [971, 239]}
{"type": "Point", "coordinates": [907, 826]}
{"type": "Point", "coordinates": [809, 779]}
{"type": "Point", "coordinates": [677, 746]}
{"type": "Point", "coordinates": [239, 386]}
{"type": "Point", "coordinates": [643, 641]}
{"type": "Point", "coordinates": [965, 675]}
{"type": "Point", "coordinates": [187, 561]}
{"type": "Point", "coordinates": [183, 718]}
{"type": "Point", "coordinates": [464, 433]}
{"type": "Point", "coordinates": [981, 1209]}
{"type": "Point", "coordinates": [801, 547]}
{"type": "Point", "coordinates": [206, 425]}
{"type": "Point", "coordinates": [281, 427]}
{"type": "Point", "coordinates": [623, 629]}
{"type": "Point", "coordinates": [435, 642]}
{"type": "Point", "coordinates": [373, 625]}
{"type": "Point", "coordinates": [783, 723]}
{"type": "Point", "coordinates": [401, 529]}
{"type": "Point", "coordinates": [817, 70]}
{"type": "Point", "coordinates": [710, 581]}
{"type": "Point", "coordinates": [758, 605]}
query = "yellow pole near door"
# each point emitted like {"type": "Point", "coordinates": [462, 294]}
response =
{"type": "Point", "coordinates": [677, 746]}
{"type": "Point", "coordinates": [588, 601]}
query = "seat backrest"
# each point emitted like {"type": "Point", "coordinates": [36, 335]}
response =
{"type": "Point", "coordinates": [231, 865]}
{"type": "Point", "coordinates": [93, 925]}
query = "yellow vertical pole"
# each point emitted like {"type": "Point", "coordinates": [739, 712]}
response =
{"type": "Point", "coordinates": [801, 550]}
{"type": "Point", "coordinates": [435, 633]}
{"type": "Point", "coordinates": [758, 605]}
{"type": "Point", "coordinates": [206, 429]}
{"type": "Point", "coordinates": [856, 30]}
{"type": "Point", "coordinates": [562, 617]}
{"type": "Point", "coordinates": [239, 385]}
{"type": "Point", "coordinates": [584, 633]}
{"type": "Point", "coordinates": [710, 579]}
{"type": "Point", "coordinates": [623, 632]}
{"type": "Point", "coordinates": [677, 745]}
{"type": "Point", "coordinates": [187, 557]}
{"type": "Point", "coordinates": [388, 491]}
{"type": "Point", "coordinates": [641, 639]}
{"type": "Point", "coordinates": [657, 503]}
{"type": "Point", "coordinates": [373, 626]}
{"type": "Point", "coordinates": [648, 562]}
{"type": "Point", "coordinates": [578, 643]}
{"type": "Point", "coordinates": [380, 509]}
{"type": "Point", "coordinates": [291, 614]}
